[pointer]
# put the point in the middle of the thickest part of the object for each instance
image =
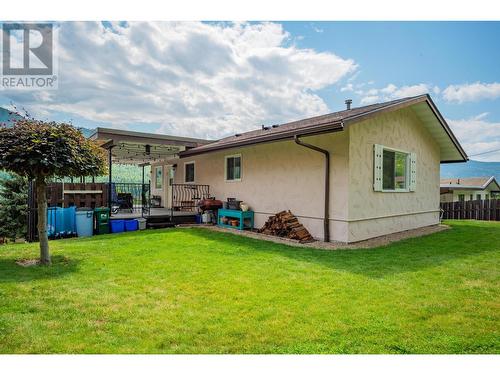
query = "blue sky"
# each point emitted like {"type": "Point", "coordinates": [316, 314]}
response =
{"type": "Point", "coordinates": [215, 79]}
{"type": "Point", "coordinates": [408, 53]}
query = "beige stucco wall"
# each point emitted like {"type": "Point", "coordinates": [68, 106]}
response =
{"type": "Point", "coordinates": [282, 175]}
{"type": "Point", "coordinates": [373, 213]}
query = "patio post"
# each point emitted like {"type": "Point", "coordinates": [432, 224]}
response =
{"type": "Point", "coordinates": [110, 164]}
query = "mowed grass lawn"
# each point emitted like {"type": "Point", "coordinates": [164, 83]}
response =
{"type": "Point", "coordinates": [198, 291]}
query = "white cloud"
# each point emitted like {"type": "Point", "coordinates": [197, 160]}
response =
{"type": "Point", "coordinates": [477, 135]}
{"type": "Point", "coordinates": [370, 99]}
{"type": "Point", "coordinates": [481, 116]}
{"type": "Point", "coordinates": [414, 90]}
{"type": "Point", "coordinates": [391, 92]}
{"type": "Point", "coordinates": [191, 78]}
{"type": "Point", "coordinates": [348, 87]}
{"type": "Point", "coordinates": [389, 89]}
{"type": "Point", "coordinates": [471, 92]}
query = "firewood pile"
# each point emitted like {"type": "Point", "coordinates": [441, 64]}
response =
{"type": "Point", "coordinates": [285, 224]}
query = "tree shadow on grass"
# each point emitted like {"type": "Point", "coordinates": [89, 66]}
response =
{"type": "Point", "coordinates": [12, 272]}
{"type": "Point", "coordinates": [462, 241]}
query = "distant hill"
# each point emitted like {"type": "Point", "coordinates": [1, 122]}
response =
{"type": "Point", "coordinates": [472, 168]}
{"type": "Point", "coordinates": [8, 117]}
{"type": "Point", "coordinates": [87, 132]}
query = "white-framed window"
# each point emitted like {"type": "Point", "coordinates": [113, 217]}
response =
{"type": "Point", "coordinates": [232, 167]}
{"type": "Point", "coordinates": [394, 170]}
{"type": "Point", "coordinates": [159, 177]}
{"type": "Point", "coordinates": [189, 172]}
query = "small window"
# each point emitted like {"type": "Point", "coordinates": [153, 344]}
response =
{"type": "Point", "coordinates": [159, 177]}
{"type": "Point", "coordinates": [395, 170]}
{"type": "Point", "coordinates": [478, 197]}
{"type": "Point", "coordinates": [471, 198]}
{"type": "Point", "coordinates": [233, 168]}
{"type": "Point", "coordinates": [486, 196]}
{"type": "Point", "coordinates": [461, 197]}
{"type": "Point", "coordinates": [189, 172]}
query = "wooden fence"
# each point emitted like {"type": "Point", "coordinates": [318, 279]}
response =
{"type": "Point", "coordinates": [77, 194]}
{"type": "Point", "coordinates": [472, 210]}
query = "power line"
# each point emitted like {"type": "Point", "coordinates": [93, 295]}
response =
{"type": "Point", "coordinates": [486, 152]}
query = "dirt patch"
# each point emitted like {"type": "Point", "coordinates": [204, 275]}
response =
{"type": "Point", "coordinates": [28, 262]}
{"type": "Point", "coordinates": [334, 245]}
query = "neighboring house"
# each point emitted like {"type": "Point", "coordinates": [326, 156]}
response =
{"type": "Point", "coordinates": [468, 189]}
{"type": "Point", "coordinates": [348, 176]}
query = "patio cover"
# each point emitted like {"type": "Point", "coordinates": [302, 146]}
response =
{"type": "Point", "coordinates": [128, 147]}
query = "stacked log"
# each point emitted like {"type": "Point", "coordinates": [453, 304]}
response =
{"type": "Point", "coordinates": [285, 224]}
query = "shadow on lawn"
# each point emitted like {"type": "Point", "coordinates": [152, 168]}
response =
{"type": "Point", "coordinates": [460, 242]}
{"type": "Point", "coordinates": [12, 272]}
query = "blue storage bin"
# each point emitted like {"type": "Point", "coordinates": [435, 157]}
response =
{"type": "Point", "coordinates": [84, 222]}
{"type": "Point", "coordinates": [117, 226]}
{"type": "Point", "coordinates": [131, 225]}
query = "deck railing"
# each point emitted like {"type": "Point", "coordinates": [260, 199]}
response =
{"type": "Point", "coordinates": [130, 196]}
{"type": "Point", "coordinates": [185, 197]}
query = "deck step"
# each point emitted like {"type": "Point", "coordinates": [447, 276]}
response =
{"type": "Point", "coordinates": [165, 224]}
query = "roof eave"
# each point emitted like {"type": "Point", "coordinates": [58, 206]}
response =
{"type": "Point", "coordinates": [410, 102]}
{"type": "Point", "coordinates": [315, 130]}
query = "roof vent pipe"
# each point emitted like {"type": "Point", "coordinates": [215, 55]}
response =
{"type": "Point", "coordinates": [348, 103]}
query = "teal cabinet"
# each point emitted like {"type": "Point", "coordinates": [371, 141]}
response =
{"type": "Point", "coordinates": [245, 218]}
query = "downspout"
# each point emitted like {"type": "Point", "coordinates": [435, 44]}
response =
{"type": "Point", "coordinates": [326, 220]}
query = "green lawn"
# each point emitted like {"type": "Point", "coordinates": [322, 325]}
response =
{"type": "Point", "coordinates": [198, 291]}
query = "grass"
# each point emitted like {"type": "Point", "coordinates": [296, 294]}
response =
{"type": "Point", "coordinates": [197, 291]}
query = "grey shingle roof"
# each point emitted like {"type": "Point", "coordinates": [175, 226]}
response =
{"type": "Point", "coordinates": [467, 182]}
{"type": "Point", "coordinates": [315, 125]}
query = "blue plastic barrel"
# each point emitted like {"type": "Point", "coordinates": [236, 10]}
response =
{"type": "Point", "coordinates": [131, 225]}
{"type": "Point", "coordinates": [61, 221]}
{"type": "Point", "coordinates": [117, 226]}
{"type": "Point", "coordinates": [69, 220]}
{"type": "Point", "coordinates": [84, 222]}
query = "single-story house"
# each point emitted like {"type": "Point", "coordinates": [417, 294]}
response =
{"type": "Point", "coordinates": [468, 189]}
{"type": "Point", "coordinates": [348, 176]}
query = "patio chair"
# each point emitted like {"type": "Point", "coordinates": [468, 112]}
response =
{"type": "Point", "coordinates": [121, 201]}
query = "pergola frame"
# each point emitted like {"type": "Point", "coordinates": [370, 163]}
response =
{"type": "Point", "coordinates": [141, 149]}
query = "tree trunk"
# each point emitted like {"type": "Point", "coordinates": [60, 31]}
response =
{"type": "Point", "coordinates": [41, 200]}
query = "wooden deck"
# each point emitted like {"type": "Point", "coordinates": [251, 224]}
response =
{"type": "Point", "coordinates": [158, 217]}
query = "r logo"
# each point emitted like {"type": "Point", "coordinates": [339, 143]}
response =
{"type": "Point", "coordinates": [36, 56]}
